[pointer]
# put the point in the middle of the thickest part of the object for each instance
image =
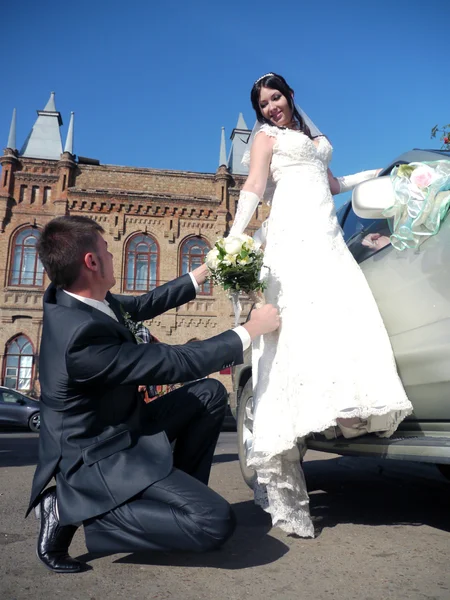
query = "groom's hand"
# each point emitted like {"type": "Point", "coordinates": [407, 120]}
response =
{"type": "Point", "coordinates": [263, 320]}
{"type": "Point", "coordinates": [200, 274]}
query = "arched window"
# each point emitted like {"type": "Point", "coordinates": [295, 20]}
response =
{"type": "Point", "coordinates": [26, 267]}
{"type": "Point", "coordinates": [19, 364]}
{"type": "Point", "coordinates": [193, 254]}
{"type": "Point", "coordinates": [141, 264]}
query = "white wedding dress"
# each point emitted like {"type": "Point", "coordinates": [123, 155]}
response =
{"type": "Point", "coordinates": [331, 358]}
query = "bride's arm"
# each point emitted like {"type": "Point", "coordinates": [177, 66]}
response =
{"type": "Point", "coordinates": [255, 184]}
{"type": "Point", "coordinates": [260, 157]}
{"type": "Point", "coordinates": [338, 185]}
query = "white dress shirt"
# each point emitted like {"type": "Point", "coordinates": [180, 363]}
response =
{"type": "Point", "coordinates": [104, 307]}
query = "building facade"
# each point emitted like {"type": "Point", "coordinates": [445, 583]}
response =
{"type": "Point", "coordinates": [158, 223]}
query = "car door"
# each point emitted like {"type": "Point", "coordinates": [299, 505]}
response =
{"type": "Point", "coordinates": [12, 408]}
{"type": "Point", "coordinates": [412, 290]}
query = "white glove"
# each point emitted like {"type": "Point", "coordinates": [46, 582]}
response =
{"type": "Point", "coordinates": [248, 201]}
{"type": "Point", "coordinates": [260, 236]}
{"type": "Point", "coordinates": [348, 182]}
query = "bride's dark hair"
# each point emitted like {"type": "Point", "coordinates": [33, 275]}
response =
{"type": "Point", "coordinates": [276, 82]}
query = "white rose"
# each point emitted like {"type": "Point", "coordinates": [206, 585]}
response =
{"type": "Point", "coordinates": [245, 261]}
{"type": "Point", "coordinates": [212, 259]}
{"type": "Point", "coordinates": [232, 244]}
{"type": "Point", "coordinates": [249, 242]}
{"type": "Point", "coordinates": [229, 259]}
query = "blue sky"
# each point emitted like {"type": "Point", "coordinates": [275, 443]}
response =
{"type": "Point", "coordinates": [152, 82]}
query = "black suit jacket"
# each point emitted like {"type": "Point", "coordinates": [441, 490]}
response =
{"type": "Point", "coordinates": [91, 435]}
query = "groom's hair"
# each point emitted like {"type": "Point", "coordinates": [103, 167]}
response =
{"type": "Point", "coordinates": [62, 246]}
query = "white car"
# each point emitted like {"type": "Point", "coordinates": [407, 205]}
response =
{"type": "Point", "coordinates": [412, 290]}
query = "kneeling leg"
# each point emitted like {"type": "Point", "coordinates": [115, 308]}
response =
{"type": "Point", "coordinates": [176, 513]}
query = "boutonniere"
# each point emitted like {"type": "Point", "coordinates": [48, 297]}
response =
{"type": "Point", "coordinates": [131, 325]}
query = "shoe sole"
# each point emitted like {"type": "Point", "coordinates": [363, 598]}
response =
{"type": "Point", "coordinates": [37, 512]}
{"type": "Point", "coordinates": [56, 570]}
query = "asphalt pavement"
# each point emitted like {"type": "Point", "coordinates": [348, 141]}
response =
{"type": "Point", "coordinates": [382, 533]}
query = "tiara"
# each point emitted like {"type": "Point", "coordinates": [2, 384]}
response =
{"type": "Point", "coordinates": [262, 77]}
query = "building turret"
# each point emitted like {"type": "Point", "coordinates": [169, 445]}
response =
{"type": "Point", "coordinates": [9, 163]}
{"type": "Point", "coordinates": [240, 137]}
{"type": "Point", "coordinates": [44, 140]}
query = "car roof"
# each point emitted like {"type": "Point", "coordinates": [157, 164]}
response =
{"type": "Point", "coordinates": [414, 155]}
{"type": "Point", "coordinates": [3, 387]}
{"type": "Point", "coordinates": [417, 155]}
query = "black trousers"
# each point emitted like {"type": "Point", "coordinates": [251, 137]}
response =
{"type": "Point", "coordinates": [178, 512]}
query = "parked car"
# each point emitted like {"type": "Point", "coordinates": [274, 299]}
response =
{"type": "Point", "coordinates": [18, 410]}
{"type": "Point", "coordinates": [412, 290]}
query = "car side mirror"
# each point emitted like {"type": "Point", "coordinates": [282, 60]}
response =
{"type": "Point", "coordinates": [20, 401]}
{"type": "Point", "coordinates": [371, 198]}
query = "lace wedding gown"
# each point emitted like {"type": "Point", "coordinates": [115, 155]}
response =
{"type": "Point", "coordinates": [331, 358]}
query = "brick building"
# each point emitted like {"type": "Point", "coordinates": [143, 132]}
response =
{"type": "Point", "coordinates": [158, 223]}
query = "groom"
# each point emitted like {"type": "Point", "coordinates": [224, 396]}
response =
{"type": "Point", "coordinates": [109, 451]}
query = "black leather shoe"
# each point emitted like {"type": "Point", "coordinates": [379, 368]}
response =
{"type": "Point", "coordinates": [54, 539]}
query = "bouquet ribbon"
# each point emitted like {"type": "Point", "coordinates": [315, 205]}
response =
{"type": "Point", "coordinates": [257, 298]}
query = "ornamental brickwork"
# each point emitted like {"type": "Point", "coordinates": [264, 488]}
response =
{"type": "Point", "coordinates": [169, 206]}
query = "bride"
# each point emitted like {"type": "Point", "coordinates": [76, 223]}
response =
{"type": "Point", "coordinates": [314, 373]}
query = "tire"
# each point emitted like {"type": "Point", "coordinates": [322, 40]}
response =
{"type": "Point", "coordinates": [244, 431]}
{"type": "Point", "coordinates": [34, 422]}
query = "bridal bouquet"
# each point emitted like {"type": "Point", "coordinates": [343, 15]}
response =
{"type": "Point", "coordinates": [420, 206]}
{"type": "Point", "coordinates": [235, 264]}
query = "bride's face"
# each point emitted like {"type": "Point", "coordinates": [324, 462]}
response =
{"type": "Point", "coordinates": [275, 107]}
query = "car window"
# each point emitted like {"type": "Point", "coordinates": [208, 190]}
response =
{"type": "Point", "coordinates": [341, 213]}
{"type": "Point", "coordinates": [9, 397]}
{"type": "Point", "coordinates": [353, 225]}
{"type": "Point", "coordinates": [373, 238]}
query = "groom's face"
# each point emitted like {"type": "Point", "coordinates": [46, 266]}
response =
{"type": "Point", "coordinates": [105, 259]}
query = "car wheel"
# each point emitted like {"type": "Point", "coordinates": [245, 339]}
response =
{"type": "Point", "coordinates": [245, 432]}
{"type": "Point", "coordinates": [34, 422]}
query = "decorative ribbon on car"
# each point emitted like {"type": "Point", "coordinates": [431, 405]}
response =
{"type": "Point", "coordinates": [422, 201]}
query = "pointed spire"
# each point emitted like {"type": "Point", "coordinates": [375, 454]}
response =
{"type": "Point", "coordinates": [241, 124]}
{"type": "Point", "coordinates": [50, 106]}
{"type": "Point", "coordinates": [239, 144]}
{"type": "Point", "coordinates": [69, 141]}
{"type": "Point", "coordinates": [223, 150]}
{"type": "Point", "coordinates": [44, 140]}
{"type": "Point", "coordinates": [12, 132]}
